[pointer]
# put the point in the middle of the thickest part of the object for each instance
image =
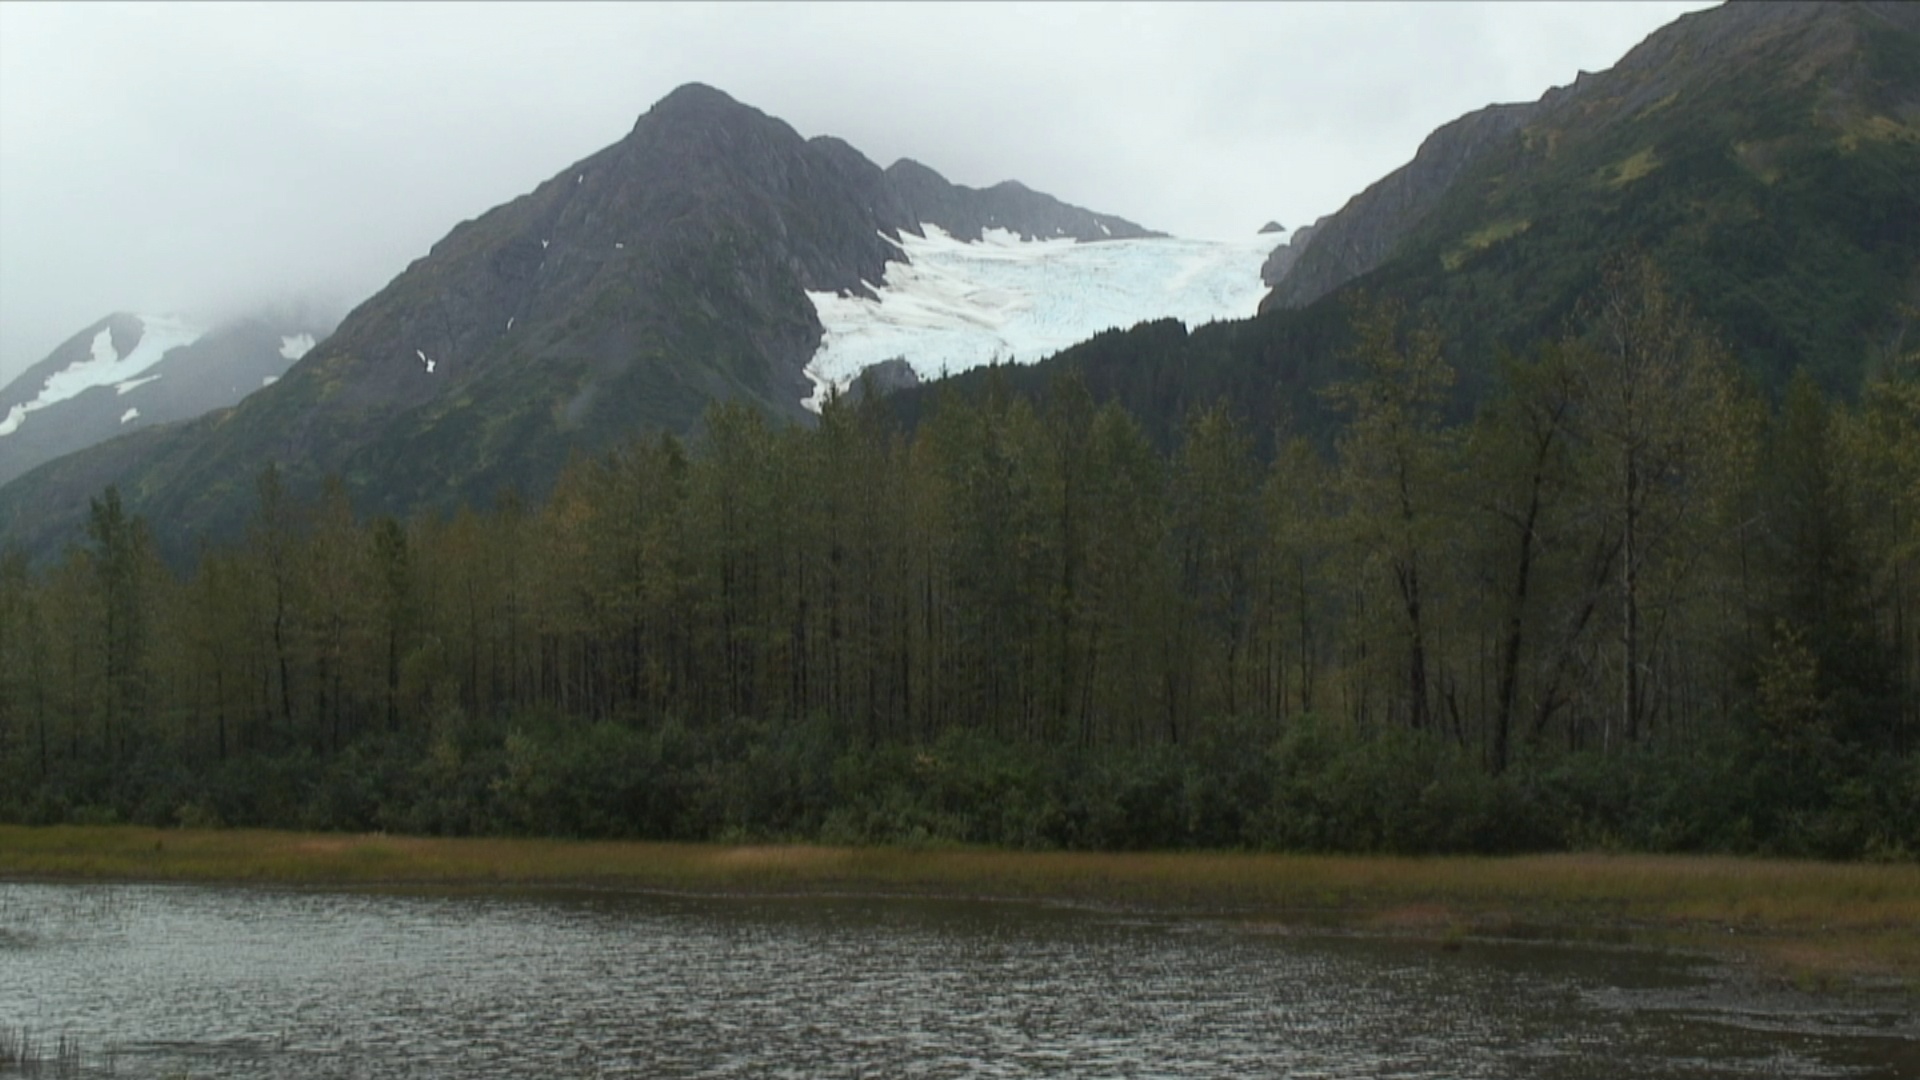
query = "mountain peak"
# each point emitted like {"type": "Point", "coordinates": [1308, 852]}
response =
{"type": "Point", "coordinates": [695, 106]}
{"type": "Point", "coordinates": [695, 97]}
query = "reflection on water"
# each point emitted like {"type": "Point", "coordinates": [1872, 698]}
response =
{"type": "Point", "coordinates": [166, 981]}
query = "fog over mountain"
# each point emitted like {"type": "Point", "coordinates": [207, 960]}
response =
{"type": "Point", "coordinates": [199, 160]}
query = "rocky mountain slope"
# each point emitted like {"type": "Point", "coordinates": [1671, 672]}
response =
{"type": "Point", "coordinates": [128, 372]}
{"type": "Point", "coordinates": [1364, 232]}
{"type": "Point", "coordinates": [1793, 125]}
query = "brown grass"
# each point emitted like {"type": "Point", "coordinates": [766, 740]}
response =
{"type": "Point", "coordinates": [1808, 920]}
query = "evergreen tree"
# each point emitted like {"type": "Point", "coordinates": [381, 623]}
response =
{"type": "Point", "coordinates": [125, 568]}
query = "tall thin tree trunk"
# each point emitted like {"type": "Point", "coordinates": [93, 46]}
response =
{"type": "Point", "coordinates": [1630, 611]}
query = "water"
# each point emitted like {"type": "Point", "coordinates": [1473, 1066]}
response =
{"type": "Point", "coordinates": [196, 981]}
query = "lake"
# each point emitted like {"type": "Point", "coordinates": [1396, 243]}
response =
{"type": "Point", "coordinates": [211, 981]}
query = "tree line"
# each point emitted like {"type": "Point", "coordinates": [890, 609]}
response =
{"type": "Point", "coordinates": [1626, 603]}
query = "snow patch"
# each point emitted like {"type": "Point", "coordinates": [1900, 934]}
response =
{"type": "Point", "coordinates": [823, 389]}
{"type": "Point", "coordinates": [132, 384]}
{"type": "Point", "coordinates": [129, 415]}
{"type": "Point", "coordinates": [104, 366]}
{"type": "Point", "coordinates": [544, 243]}
{"type": "Point", "coordinates": [295, 347]}
{"type": "Point", "coordinates": [424, 360]}
{"type": "Point", "coordinates": [509, 322]}
{"type": "Point", "coordinates": [956, 305]}
{"type": "Point", "coordinates": [269, 380]}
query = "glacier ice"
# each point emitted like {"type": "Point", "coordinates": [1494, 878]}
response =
{"type": "Point", "coordinates": [953, 305]}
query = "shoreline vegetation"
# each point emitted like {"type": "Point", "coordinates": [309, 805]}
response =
{"type": "Point", "coordinates": [1617, 599]}
{"type": "Point", "coordinates": [1821, 926]}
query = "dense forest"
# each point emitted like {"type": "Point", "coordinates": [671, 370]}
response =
{"type": "Point", "coordinates": [1629, 602]}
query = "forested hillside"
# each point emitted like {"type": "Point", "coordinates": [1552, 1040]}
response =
{"type": "Point", "coordinates": [1626, 601]}
{"type": "Point", "coordinates": [1765, 155]}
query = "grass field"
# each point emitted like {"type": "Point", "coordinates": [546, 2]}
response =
{"type": "Point", "coordinates": [1819, 924]}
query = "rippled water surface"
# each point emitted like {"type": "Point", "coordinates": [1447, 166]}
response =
{"type": "Point", "coordinates": [169, 981]}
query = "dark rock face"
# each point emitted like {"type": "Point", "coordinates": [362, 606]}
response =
{"type": "Point", "coordinates": [1280, 261]}
{"type": "Point", "coordinates": [966, 212]}
{"type": "Point", "coordinates": [1272, 227]}
{"type": "Point", "coordinates": [1364, 232]}
{"type": "Point", "coordinates": [626, 293]}
{"type": "Point", "coordinates": [707, 210]}
{"type": "Point", "coordinates": [884, 378]}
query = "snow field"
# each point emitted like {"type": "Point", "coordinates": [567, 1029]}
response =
{"type": "Point", "coordinates": [159, 334]}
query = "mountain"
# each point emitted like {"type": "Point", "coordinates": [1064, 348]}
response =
{"type": "Point", "coordinates": [128, 372]}
{"type": "Point", "coordinates": [1766, 156]}
{"type": "Point", "coordinates": [687, 263]}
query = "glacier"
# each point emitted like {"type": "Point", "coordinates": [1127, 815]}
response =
{"type": "Point", "coordinates": [159, 335]}
{"type": "Point", "coordinates": [950, 305]}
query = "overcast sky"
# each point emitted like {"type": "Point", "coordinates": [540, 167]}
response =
{"type": "Point", "coordinates": [200, 159]}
